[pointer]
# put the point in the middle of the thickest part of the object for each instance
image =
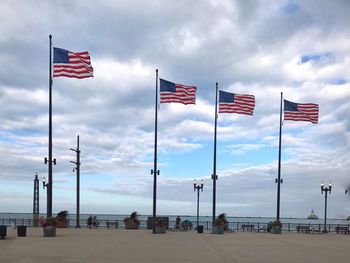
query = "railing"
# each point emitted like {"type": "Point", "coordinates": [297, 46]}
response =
{"type": "Point", "coordinates": [236, 226]}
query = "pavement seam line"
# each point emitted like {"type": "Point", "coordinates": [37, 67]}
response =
{"type": "Point", "coordinates": [222, 253]}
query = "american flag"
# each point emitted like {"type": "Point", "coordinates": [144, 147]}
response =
{"type": "Point", "coordinates": [300, 111]}
{"type": "Point", "coordinates": [236, 103]}
{"type": "Point", "coordinates": [71, 64]}
{"type": "Point", "coordinates": [172, 92]}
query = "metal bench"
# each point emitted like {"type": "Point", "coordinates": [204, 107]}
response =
{"type": "Point", "coordinates": [110, 224]}
{"type": "Point", "coordinates": [342, 230]}
{"type": "Point", "coordinates": [247, 227]}
{"type": "Point", "coordinates": [303, 229]}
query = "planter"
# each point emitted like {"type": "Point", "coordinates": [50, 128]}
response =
{"type": "Point", "coordinates": [132, 226]}
{"type": "Point", "coordinates": [165, 220]}
{"type": "Point", "coordinates": [49, 231]}
{"type": "Point", "coordinates": [21, 231]}
{"type": "Point", "coordinates": [62, 223]}
{"type": "Point", "coordinates": [218, 229]}
{"type": "Point", "coordinates": [3, 230]}
{"type": "Point", "coordinates": [200, 229]}
{"type": "Point", "coordinates": [276, 229]}
{"type": "Point", "coordinates": [160, 230]}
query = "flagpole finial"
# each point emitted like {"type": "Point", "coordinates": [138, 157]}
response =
{"type": "Point", "coordinates": [157, 70]}
{"type": "Point", "coordinates": [50, 36]}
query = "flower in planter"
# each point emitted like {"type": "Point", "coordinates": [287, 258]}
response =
{"type": "Point", "coordinates": [132, 219]}
{"type": "Point", "coordinates": [63, 215]}
{"type": "Point", "coordinates": [160, 223]}
{"type": "Point", "coordinates": [221, 221]}
{"type": "Point", "coordinates": [50, 221]}
{"type": "Point", "coordinates": [218, 222]}
{"type": "Point", "coordinates": [62, 219]}
{"type": "Point", "coordinates": [276, 223]}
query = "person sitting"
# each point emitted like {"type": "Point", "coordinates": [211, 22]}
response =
{"type": "Point", "coordinates": [186, 224]}
{"type": "Point", "coordinates": [89, 222]}
{"type": "Point", "coordinates": [94, 222]}
{"type": "Point", "coordinates": [178, 222]}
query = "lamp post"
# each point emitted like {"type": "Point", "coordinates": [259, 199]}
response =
{"type": "Point", "coordinates": [198, 187]}
{"type": "Point", "coordinates": [326, 190]}
{"type": "Point", "coordinates": [77, 170]}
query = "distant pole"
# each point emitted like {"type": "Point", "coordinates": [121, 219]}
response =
{"type": "Point", "coordinates": [36, 201]}
{"type": "Point", "coordinates": [214, 176]}
{"type": "Point", "coordinates": [155, 172]}
{"type": "Point", "coordinates": [78, 183]}
{"type": "Point", "coordinates": [50, 161]}
{"type": "Point", "coordinates": [77, 170]}
{"type": "Point", "coordinates": [279, 180]}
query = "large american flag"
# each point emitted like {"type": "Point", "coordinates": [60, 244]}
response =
{"type": "Point", "coordinates": [71, 64]}
{"type": "Point", "coordinates": [236, 103]}
{"type": "Point", "coordinates": [300, 111]}
{"type": "Point", "coordinates": [172, 92]}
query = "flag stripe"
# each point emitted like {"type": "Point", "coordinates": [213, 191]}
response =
{"type": "Point", "coordinates": [72, 64]}
{"type": "Point", "coordinates": [236, 103]}
{"type": "Point", "coordinates": [177, 93]}
{"type": "Point", "coordinates": [301, 111]}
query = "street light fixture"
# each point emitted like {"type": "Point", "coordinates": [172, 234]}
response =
{"type": "Point", "coordinates": [45, 185]}
{"type": "Point", "coordinates": [326, 190]}
{"type": "Point", "coordinates": [198, 187]}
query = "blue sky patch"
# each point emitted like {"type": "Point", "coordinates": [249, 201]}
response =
{"type": "Point", "coordinates": [313, 57]}
{"type": "Point", "coordinates": [290, 8]}
{"type": "Point", "coordinates": [307, 58]}
{"type": "Point", "coordinates": [339, 82]}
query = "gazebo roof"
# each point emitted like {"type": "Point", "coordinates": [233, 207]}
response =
{"type": "Point", "coordinates": [312, 215]}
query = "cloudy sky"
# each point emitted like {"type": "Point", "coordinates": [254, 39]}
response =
{"type": "Point", "coordinates": [263, 48]}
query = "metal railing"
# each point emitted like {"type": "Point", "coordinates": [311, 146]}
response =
{"type": "Point", "coordinates": [207, 225]}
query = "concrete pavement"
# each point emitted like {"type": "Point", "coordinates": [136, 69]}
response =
{"type": "Point", "coordinates": [129, 246]}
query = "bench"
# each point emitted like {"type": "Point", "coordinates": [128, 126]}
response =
{"type": "Point", "coordinates": [248, 227]}
{"type": "Point", "coordinates": [110, 224]}
{"type": "Point", "coordinates": [316, 231]}
{"type": "Point", "coordinates": [303, 229]}
{"type": "Point", "coordinates": [262, 229]}
{"type": "Point", "coordinates": [342, 230]}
